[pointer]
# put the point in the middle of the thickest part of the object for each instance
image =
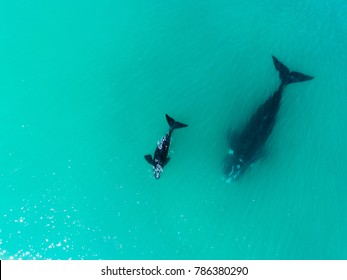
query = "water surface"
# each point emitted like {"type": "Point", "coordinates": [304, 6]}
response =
{"type": "Point", "coordinates": [84, 90]}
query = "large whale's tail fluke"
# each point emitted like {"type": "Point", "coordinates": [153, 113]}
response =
{"type": "Point", "coordinates": [287, 76]}
{"type": "Point", "coordinates": [173, 124]}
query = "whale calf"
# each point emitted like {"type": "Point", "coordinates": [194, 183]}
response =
{"type": "Point", "coordinates": [246, 146]}
{"type": "Point", "coordinates": [161, 152]}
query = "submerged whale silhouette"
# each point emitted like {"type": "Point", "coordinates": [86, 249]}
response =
{"type": "Point", "coordinates": [161, 152]}
{"type": "Point", "coordinates": [245, 147]}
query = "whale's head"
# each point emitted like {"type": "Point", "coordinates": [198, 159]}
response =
{"type": "Point", "coordinates": [157, 170]}
{"type": "Point", "coordinates": [233, 167]}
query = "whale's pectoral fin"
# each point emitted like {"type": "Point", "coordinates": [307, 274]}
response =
{"type": "Point", "coordinates": [260, 155]}
{"type": "Point", "coordinates": [232, 138]}
{"type": "Point", "coordinates": [149, 159]}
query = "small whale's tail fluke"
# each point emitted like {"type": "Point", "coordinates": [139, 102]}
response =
{"type": "Point", "coordinates": [173, 124]}
{"type": "Point", "coordinates": [287, 76]}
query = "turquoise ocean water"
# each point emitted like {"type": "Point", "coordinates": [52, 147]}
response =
{"type": "Point", "coordinates": [84, 88]}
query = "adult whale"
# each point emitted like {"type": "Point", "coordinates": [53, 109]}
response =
{"type": "Point", "coordinates": [245, 147]}
{"type": "Point", "coordinates": [161, 152]}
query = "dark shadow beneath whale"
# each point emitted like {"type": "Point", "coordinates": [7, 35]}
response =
{"type": "Point", "coordinates": [246, 146]}
{"type": "Point", "coordinates": [161, 152]}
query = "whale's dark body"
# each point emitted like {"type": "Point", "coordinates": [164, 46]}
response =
{"type": "Point", "coordinates": [161, 152]}
{"type": "Point", "coordinates": [245, 147]}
